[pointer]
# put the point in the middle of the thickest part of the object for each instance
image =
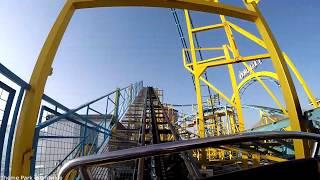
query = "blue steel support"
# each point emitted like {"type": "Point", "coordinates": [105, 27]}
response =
{"type": "Point", "coordinates": [96, 111]}
{"type": "Point", "coordinates": [5, 116]}
{"type": "Point", "coordinates": [92, 144]}
{"type": "Point", "coordinates": [71, 120]}
{"type": "Point", "coordinates": [11, 132]}
{"type": "Point", "coordinates": [35, 144]}
{"type": "Point", "coordinates": [116, 108]}
{"type": "Point", "coordinates": [13, 77]}
{"type": "Point", "coordinates": [105, 120]}
{"type": "Point", "coordinates": [25, 86]}
{"type": "Point", "coordinates": [60, 163]}
{"type": "Point", "coordinates": [123, 113]}
{"type": "Point", "coordinates": [73, 111]}
{"type": "Point", "coordinates": [55, 103]}
{"type": "Point", "coordinates": [85, 134]}
{"type": "Point", "coordinates": [66, 116]}
{"type": "Point", "coordinates": [104, 140]}
{"type": "Point", "coordinates": [37, 131]}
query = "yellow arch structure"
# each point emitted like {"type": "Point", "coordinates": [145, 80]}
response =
{"type": "Point", "coordinates": [257, 75]}
{"type": "Point", "coordinates": [23, 152]}
{"type": "Point", "coordinates": [269, 74]}
{"type": "Point", "coordinates": [251, 76]}
{"type": "Point", "coordinates": [272, 75]}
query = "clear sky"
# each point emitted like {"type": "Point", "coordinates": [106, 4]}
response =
{"type": "Point", "coordinates": [107, 48]}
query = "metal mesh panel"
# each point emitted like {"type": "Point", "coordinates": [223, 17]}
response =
{"type": "Point", "coordinates": [53, 149]}
{"type": "Point", "coordinates": [3, 101]}
{"type": "Point", "coordinates": [63, 134]}
{"type": "Point", "coordinates": [62, 141]}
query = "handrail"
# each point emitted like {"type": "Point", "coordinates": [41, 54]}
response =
{"type": "Point", "coordinates": [178, 146]}
{"type": "Point", "coordinates": [13, 77]}
{"type": "Point", "coordinates": [23, 86]}
{"type": "Point", "coordinates": [84, 120]}
{"type": "Point", "coordinates": [54, 102]}
{"type": "Point", "coordinates": [73, 111]}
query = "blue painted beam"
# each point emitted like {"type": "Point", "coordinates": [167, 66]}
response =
{"type": "Point", "coordinates": [40, 126]}
{"type": "Point", "coordinates": [11, 132]}
{"type": "Point", "coordinates": [13, 77]}
{"type": "Point", "coordinates": [66, 116]}
{"type": "Point", "coordinates": [5, 116]}
{"type": "Point", "coordinates": [60, 163]}
{"type": "Point", "coordinates": [54, 102]}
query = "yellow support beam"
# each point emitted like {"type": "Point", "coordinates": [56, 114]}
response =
{"type": "Point", "coordinates": [206, 49]}
{"type": "Point", "coordinates": [219, 58]}
{"type": "Point", "coordinates": [206, 28]}
{"type": "Point", "coordinates": [236, 55]}
{"type": "Point", "coordinates": [247, 34]}
{"type": "Point", "coordinates": [254, 57]}
{"type": "Point", "coordinates": [233, 124]}
{"type": "Point", "coordinates": [217, 91]}
{"type": "Point", "coordinates": [22, 150]}
{"type": "Point", "coordinates": [195, 5]}
{"type": "Point", "coordinates": [285, 80]}
{"type": "Point", "coordinates": [230, 37]}
{"type": "Point", "coordinates": [212, 59]}
{"type": "Point", "coordinates": [197, 73]}
{"type": "Point", "coordinates": [213, 62]}
{"type": "Point", "coordinates": [301, 80]}
{"type": "Point", "coordinates": [234, 85]}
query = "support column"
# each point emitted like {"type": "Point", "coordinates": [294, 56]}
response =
{"type": "Point", "coordinates": [197, 71]}
{"type": "Point", "coordinates": [304, 85]}
{"type": "Point", "coordinates": [116, 107]}
{"type": "Point", "coordinates": [285, 80]}
{"type": "Point", "coordinates": [233, 79]}
{"type": "Point", "coordinates": [22, 151]}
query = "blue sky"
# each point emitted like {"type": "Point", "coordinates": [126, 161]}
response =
{"type": "Point", "coordinates": [107, 48]}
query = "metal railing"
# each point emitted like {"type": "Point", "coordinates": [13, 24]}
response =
{"type": "Point", "coordinates": [61, 133]}
{"type": "Point", "coordinates": [62, 136]}
{"type": "Point", "coordinates": [82, 164]}
{"type": "Point", "coordinates": [9, 120]}
{"type": "Point", "coordinates": [7, 95]}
